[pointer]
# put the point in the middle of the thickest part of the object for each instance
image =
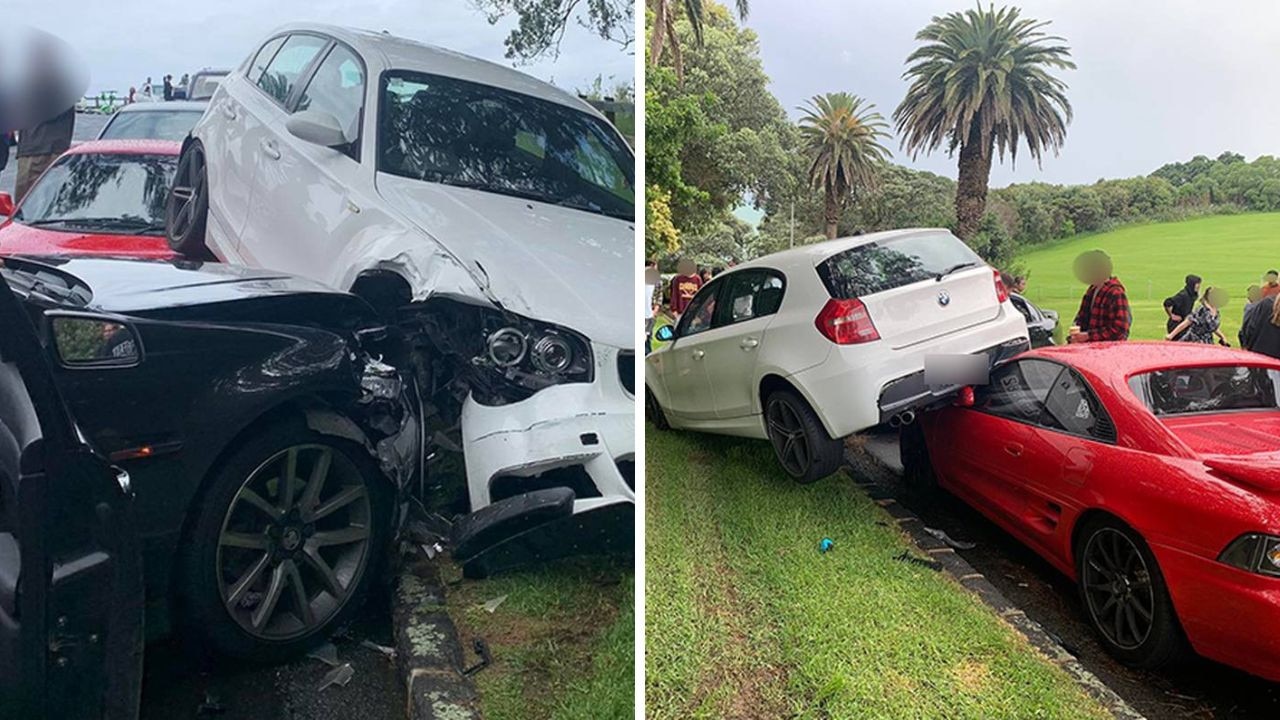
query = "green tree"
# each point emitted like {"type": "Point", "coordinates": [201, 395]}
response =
{"type": "Point", "coordinates": [541, 23]}
{"type": "Point", "coordinates": [662, 32]}
{"type": "Point", "coordinates": [981, 83]}
{"type": "Point", "coordinates": [842, 134]}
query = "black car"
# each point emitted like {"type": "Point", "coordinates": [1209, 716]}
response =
{"type": "Point", "coordinates": [1040, 323]}
{"type": "Point", "coordinates": [267, 446]}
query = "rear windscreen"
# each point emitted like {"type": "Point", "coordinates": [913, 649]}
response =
{"type": "Point", "coordinates": [1207, 389]}
{"type": "Point", "coordinates": [888, 264]}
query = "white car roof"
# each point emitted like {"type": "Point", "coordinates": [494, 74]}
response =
{"type": "Point", "coordinates": [165, 106]}
{"type": "Point", "coordinates": [384, 51]}
{"type": "Point", "coordinates": [813, 254]}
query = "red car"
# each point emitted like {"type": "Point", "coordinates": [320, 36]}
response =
{"type": "Point", "coordinates": [100, 198]}
{"type": "Point", "coordinates": [1147, 472]}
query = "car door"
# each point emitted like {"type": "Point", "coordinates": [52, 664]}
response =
{"type": "Point", "coordinates": [71, 598]}
{"type": "Point", "coordinates": [684, 370]}
{"type": "Point", "coordinates": [307, 202]}
{"type": "Point", "coordinates": [747, 306]}
{"type": "Point", "coordinates": [264, 106]}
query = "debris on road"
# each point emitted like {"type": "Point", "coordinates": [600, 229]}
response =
{"type": "Point", "coordinates": [389, 652]}
{"type": "Point", "coordinates": [950, 541]}
{"type": "Point", "coordinates": [493, 604]}
{"type": "Point", "coordinates": [826, 544]}
{"type": "Point", "coordinates": [340, 675]}
{"type": "Point", "coordinates": [327, 654]}
{"type": "Point", "coordinates": [482, 649]}
{"type": "Point", "coordinates": [907, 557]}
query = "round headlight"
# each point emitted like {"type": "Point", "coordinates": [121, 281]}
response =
{"type": "Point", "coordinates": [552, 354]}
{"type": "Point", "coordinates": [507, 347]}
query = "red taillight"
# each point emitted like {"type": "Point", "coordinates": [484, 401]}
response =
{"type": "Point", "coordinates": [1002, 292]}
{"type": "Point", "coordinates": [846, 322]}
{"type": "Point", "coordinates": [965, 397]}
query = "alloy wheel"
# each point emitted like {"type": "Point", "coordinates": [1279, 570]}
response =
{"type": "Point", "coordinates": [1117, 588]}
{"type": "Point", "coordinates": [786, 432]}
{"type": "Point", "coordinates": [188, 187]}
{"type": "Point", "coordinates": [294, 543]}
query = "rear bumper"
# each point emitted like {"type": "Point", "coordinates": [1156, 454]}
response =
{"type": "Point", "coordinates": [1229, 615]}
{"type": "Point", "coordinates": [583, 434]}
{"type": "Point", "coordinates": [858, 387]}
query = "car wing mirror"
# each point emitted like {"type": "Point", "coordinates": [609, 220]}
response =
{"type": "Point", "coordinates": [317, 127]}
{"type": "Point", "coordinates": [83, 341]}
{"type": "Point", "coordinates": [6, 204]}
{"type": "Point", "coordinates": [666, 333]}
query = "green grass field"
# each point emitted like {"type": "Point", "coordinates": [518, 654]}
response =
{"type": "Point", "coordinates": [746, 619]}
{"type": "Point", "coordinates": [1229, 251]}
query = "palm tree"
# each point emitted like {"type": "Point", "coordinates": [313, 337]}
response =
{"type": "Point", "coordinates": [664, 28]}
{"type": "Point", "coordinates": [983, 81]}
{"type": "Point", "coordinates": [842, 132]}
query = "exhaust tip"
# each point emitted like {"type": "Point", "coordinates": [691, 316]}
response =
{"type": "Point", "coordinates": [895, 421]}
{"type": "Point", "coordinates": [908, 417]}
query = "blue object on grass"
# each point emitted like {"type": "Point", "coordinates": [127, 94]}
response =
{"type": "Point", "coordinates": [826, 544]}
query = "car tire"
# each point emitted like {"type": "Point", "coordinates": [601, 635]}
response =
{"type": "Point", "coordinates": [1138, 589]}
{"type": "Point", "coordinates": [186, 211]}
{"type": "Point", "coordinates": [654, 412]}
{"type": "Point", "coordinates": [917, 467]}
{"type": "Point", "coordinates": [800, 442]}
{"type": "Point", "coordinates": [233, 535]}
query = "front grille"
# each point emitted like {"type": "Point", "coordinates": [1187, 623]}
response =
{"type": "Point", "coordinates": [574, 477]}
{"type": "Point", "coordinates": [627, 371]}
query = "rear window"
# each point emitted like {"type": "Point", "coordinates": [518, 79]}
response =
{"type": "Point", "coordinates": [152, 125]}
{"type": "Point", "coordinates": [888, 264]}
{"type": "Point", "coordinates": [1181, 391]}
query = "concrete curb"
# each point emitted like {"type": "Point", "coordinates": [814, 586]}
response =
{"type": "Point", "coordinates": [428, 652]}
{"type": "Point", "coordinates": [962, 572]}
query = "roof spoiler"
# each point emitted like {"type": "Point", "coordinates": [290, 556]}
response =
{"type": "Point", "coordinates": [1260, 471]}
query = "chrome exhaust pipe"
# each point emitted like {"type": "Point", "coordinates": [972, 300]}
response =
{"type": "Point", "coordinates": [895, 421]}
{"type": "Point", "coordinates": [907, 417]}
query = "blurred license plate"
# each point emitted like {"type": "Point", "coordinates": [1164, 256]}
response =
{"type": "Point", "coordinates": [945, 370]}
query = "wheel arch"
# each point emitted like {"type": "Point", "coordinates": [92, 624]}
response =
{"type": "Point", "coordinates": [772, 382]}
{"type": "Point", "coordinates": [384, 289]}
{"type": "Point", "coordinates": [1086, 518]}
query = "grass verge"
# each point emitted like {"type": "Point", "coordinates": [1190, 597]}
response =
{"type": "Point", "coordinates": [746, 619]}
{"type": "Point", "coordinates": [563, 640]}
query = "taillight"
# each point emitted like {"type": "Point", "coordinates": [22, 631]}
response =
{"type": "Point", "coordinates": [846, 322]}
{"type": "Point", "coordinates": [1002, 292]}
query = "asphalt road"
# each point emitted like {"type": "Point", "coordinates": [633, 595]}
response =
{"type": "Point", "coordinates": [1200, 690]}
{"type": "Point", "coordinates": [87, 128]}
{"type": "Point", "coordinates": [179, 684]}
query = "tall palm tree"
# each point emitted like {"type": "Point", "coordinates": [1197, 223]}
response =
{"type": "Point", "coordinates": [981, 82]}
{"type": "Point", "coordinates": [664, 28]}
{"type": "Point", "coordinates": [842, 132]}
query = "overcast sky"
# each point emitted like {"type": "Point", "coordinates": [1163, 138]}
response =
{"type": "Point", "coordinates": [124, 42]}
{"type": "Point", "coordinates": [1157, 80]}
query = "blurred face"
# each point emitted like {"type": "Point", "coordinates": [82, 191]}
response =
{"type": "Point", "coordinates": [1218, 297]}
{"type": "Point", "coordinates": [1271, 278]}
{"type": "Point", "coordinates": [1092, 268]}
{"type": "Point", "coordinates": [1255, 294]}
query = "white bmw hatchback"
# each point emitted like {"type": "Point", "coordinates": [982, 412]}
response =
{"type": "Point", "coordinates": [809, 345]}
{"type": "Point", "coordinates": [489, 213]}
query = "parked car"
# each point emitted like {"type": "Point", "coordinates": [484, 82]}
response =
{"type": "Point", "coordinates": [489, 214]}
{"type": "Point", "coordinates": [1147, 473]}
{"type": "Point", "coordinates": [105, 197]}
{"type": "Point", "coordinates": [259, 433]}
{"type": "Point", "coordinates": [809, 345]}
{"type": "Point", "coordinates": [153, 121]}
{"type": "Point", "coordinates": [204, 82]}
{"type": "Point", "coordinates": [1040, 323]}
{"type": "Point", "coordinates": [71, 612]}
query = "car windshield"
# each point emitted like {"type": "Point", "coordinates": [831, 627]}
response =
{"type": "Point", "coordinates": [1180, 391]}
{"type": "Point", "coordinates": [151, 125]}
{"type": "Point", "coordinates": [887, 264]}
{"type": "Point", "coordinates": [202, 86]}
{"type": "Point", "coordinates": [461, 133]}
{"type": "Point", "coordinates": [103, 193]}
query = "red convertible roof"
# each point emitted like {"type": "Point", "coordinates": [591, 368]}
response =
{"type": "Point", "coordinates": [127, 147]}
{"type": "Point", "coordinates": [1119, 360]}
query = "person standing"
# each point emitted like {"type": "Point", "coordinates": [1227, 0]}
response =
{"type": "Point", "coordinates": [146, 89]}
{"type": "Point", "coordinates": [39, 146]}
{"type": "Point", "coordinates": [1271, 283]}
{"type": "Point", "coordinates": [1261, 330]}
{"type": "Point", "coordinates": [1252, 295]}
{"type": "Point", "coordinates": [168, 87]}
{"type": "Point", "coordinates": [1179, 305]}
{"type": "Point", "coordinates": [181, 92]}
{"type": "Point", "coordinates": [1104, 310]}
{"type": "Point", "coordinates": [1202, 324]}
{"type": "Point", "coordinates": [684, 286]}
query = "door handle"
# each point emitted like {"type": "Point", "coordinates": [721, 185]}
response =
{"type": "Point", "coordinates": [697, 354]}
{"type": "Point", "coordinates": [748, 343]}
{"type": "Point", "coordinates": [229, 111]}
{"type": "Point", "coordinates": [269, 149]}
{"type": "Point", "coordinates": [1013, 449]}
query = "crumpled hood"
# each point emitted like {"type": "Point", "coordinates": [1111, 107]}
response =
{"type": "Point", "coordinates": [568, 267]}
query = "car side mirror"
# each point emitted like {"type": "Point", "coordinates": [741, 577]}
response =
{"type": "Point", "coordinates": [666, 333]}
{"type": "Point", "coordinates": [6, 204]}
{"type": "Point", "coordinates": [88, 341]}
{"type": "Point", "coordinates": [317, 127]}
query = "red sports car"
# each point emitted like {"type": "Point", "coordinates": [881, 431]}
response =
{"type": "Point", "coordinates": [1147, 472]}
{"type": "Point", "coordinates": [100, 198]}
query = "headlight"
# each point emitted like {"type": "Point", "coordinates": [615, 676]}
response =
{"type": "Point", "coordinates": [523, 356]}
{"type": "Point", "coordinates": [507, 347]}
{"type": "Point", "coordinates": [1255, 553]}
{"type": "Point", "coordinates": [552, 354]}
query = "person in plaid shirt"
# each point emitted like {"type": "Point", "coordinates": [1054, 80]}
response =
{"type": "Point", "coordinates": [1104, 310]}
